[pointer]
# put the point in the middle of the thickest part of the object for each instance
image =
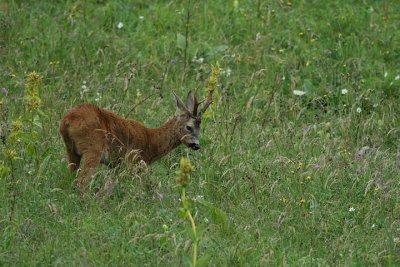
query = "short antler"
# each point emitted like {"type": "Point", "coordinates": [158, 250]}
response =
{"type": "Point", "coordinates": [208, 102]}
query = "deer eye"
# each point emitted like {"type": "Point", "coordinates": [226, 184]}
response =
{"type": "Point", "coordinates": [188, 128]}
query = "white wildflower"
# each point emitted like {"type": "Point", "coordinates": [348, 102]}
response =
{"type": "Point", "coordinates": [298, 92]}
{"type": "Point", "coordinates": [397, 77]}
{"type": "Point", "coordinates": [385, 74]}
{"type": "Point", "coordinates": [352, 209]}
{"type": "Point", "coordinates": [396, 239]}
{"type": "Point", "coordinates": [358, 110]}
{"type": "Point", "coordinates": [344, 91]}
{"type": "Point", "coordinates": [198, 60]}
{"type": "Point", "coordinates": [98, 97]}
{"type": "Point", "coordinates": [120, 25]}
{"type": "Point", "coordinates": [227, 72]}
{"type": "Point", "coordinates": [283, 78]}
{"type": "Point", "coordinates": [141, 17]}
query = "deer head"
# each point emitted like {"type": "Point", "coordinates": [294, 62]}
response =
{"type": "Point", "coordinates": [189, 121]}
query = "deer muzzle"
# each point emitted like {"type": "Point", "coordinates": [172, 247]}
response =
{"type": "Point", "coordinates": [194, 146]}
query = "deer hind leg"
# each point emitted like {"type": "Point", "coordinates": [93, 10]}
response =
{"type": "Point", "coordinates": [74, 159]}
{"type": "Point", "coordinates": [90, 161]}
{"type": "Point", "coordinates": [92, 147]}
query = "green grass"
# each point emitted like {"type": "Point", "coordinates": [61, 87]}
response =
{"type": "Point", "coordinates": [260, 147]}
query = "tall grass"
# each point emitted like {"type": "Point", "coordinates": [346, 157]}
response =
{"type": "Point", "coordinates": [300, 151]}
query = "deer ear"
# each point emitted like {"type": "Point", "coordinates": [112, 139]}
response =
{"type": "Point", "coordinates": [191, 103]}
{"type": "Point", "coordinates": [179, 103]}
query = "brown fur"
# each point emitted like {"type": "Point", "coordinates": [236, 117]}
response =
{"type": "Point", "coordinates": [95, 135]}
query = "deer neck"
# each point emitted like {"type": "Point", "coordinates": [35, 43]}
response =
{"type": "Point", "coordinates": [162, 140]}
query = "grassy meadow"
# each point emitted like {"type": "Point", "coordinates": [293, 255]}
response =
{"type": "Point", "coordinates": [300, 156]}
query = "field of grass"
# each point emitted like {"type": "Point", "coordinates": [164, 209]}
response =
{"type": "Point", "coordinates": [300, 154]}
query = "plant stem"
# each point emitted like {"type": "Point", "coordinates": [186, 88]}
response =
{"type": "Point", "coordinates": [195, 238]}
{"type": "Point", "coordinates": [13, 193]}
{"type": "Point", "coordinates": [193, 224]}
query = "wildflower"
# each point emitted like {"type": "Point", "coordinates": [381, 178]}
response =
{"type": "Point", "coordinates": [10, 154]}
{"type": "Point", "coordinates": [300, 165]}
{"type": "Point", "coordinates": [396, 239]}
{"type": "Point", "coordinates": [165, 227]}
{"type": "Point", "coordinates": [205, 220]}
{"type": "Point", "coordinates": [32, 99]}
{"type": "Point", "coordinates": [373, 226]}
{"type": "Point", "coordinates": [301, 201]}
{"type": "Point", "coordinates": [227, 72]}
{"type": "Point", "coordinates": [385, 74]}
{"type": "Point", "coordinates": [284, 200]}
{"type": "Point", "coordinates": [141, 17]}
{"type": "Point", "coordinates": [397, 77]}
{"type": "Point", "coordinates": [344, 91]}
{"type": "Point", "coordinates": [317, 167]}
{"type": "Point", "coordinates": [301, 34]}
{"type": "Point", "coordinates": [308, 178]}
{"type": "Point", "coordinates": [4, 91]}
{"type": "Point", "coordinates": [352, 209]}
{"type": "Point", "coordinates": [298, 92]}
{"type": "Point", "coordinates": [120, 25]}
{"type": "Point", "coordinates": [98, 98]}
{"type": "Point", "coordinates": [16, 125]}
{"type": "Point", "coordinates": [199, 60]}
{"type": "Point", "coordinates": [183, 178]}
{"type": "Point", "coordinates": [358, 110]}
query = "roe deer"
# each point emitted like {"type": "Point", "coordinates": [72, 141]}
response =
{"type": "Point", "coordinates": [96, 136]}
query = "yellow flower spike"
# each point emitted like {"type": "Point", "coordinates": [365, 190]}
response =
{"type": "Point", "coordinates": [17, 125]}
{"type": "Point", "coordinates": [183, 177]}
{"type": "Point", "coordinates": [10, 154]}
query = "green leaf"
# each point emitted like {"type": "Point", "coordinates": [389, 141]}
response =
{"type": "Point", "coordinates": [183, 213]}
{"type": "Point", "coordinates": [308, 87]}
{"type": "Point", "coordinates": [187, 259]}
{"type": "Point", "coordinates": [203, 261]}
{"type": "Point", "coordinates": [186, 203]}
{"type": "Point", "coordinates": [180, 41]}
{"type": "Point", "coordinates": [216, 50]}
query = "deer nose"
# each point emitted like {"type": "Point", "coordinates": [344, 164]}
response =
{"type": "Point", "coordinates": [194, 146]}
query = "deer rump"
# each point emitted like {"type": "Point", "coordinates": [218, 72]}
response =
{"type": "Point", "coordinates": [102, 136]}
